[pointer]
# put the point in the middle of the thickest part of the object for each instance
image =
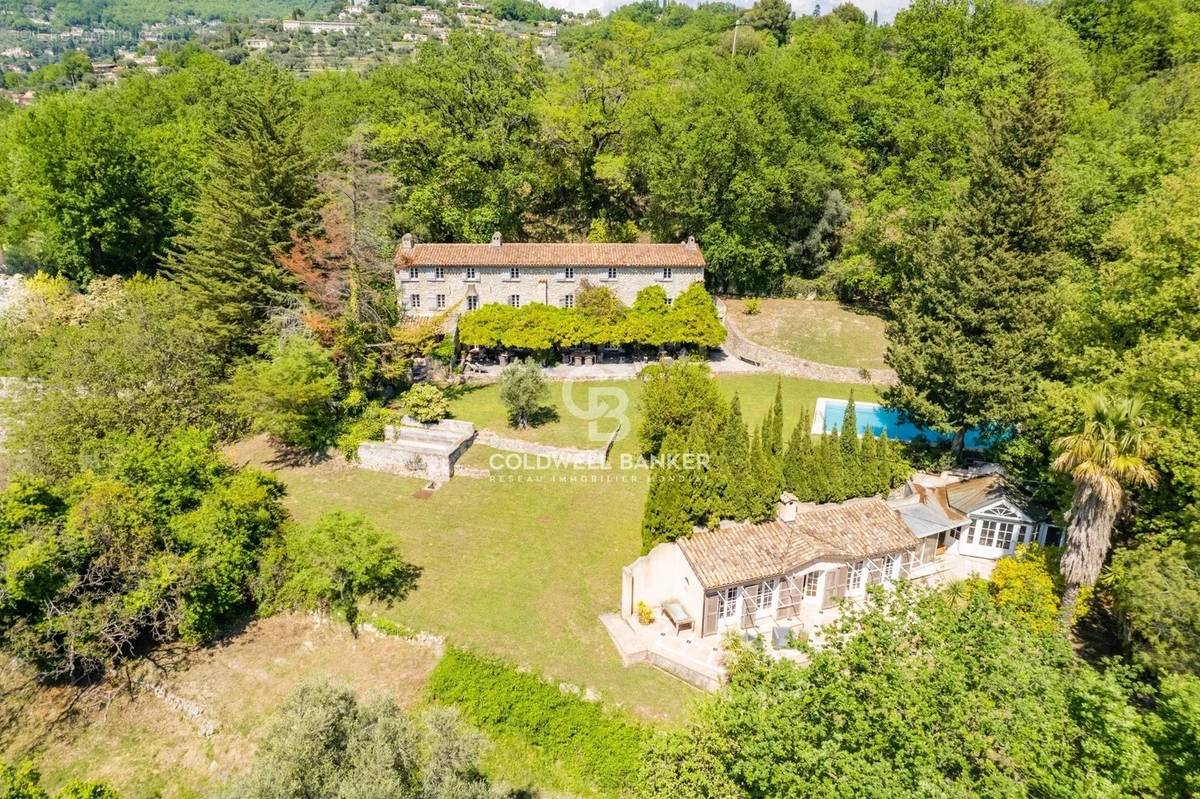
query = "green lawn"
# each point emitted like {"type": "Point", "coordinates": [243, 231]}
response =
{"type": "Point", "coordinates": [522, 565]}
{"type": "Point", "coordinates": [481, 405]}
{"type": "Point", "coordinates": [816, 330]}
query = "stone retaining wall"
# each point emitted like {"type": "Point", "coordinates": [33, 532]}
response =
{"type": "Point", "coordinates": [567, 456]}
{"type": "Point", "coordinates": [737, 345]}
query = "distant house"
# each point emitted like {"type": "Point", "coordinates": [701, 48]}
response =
{"type": "Point", "coordinates": [319, 26]}
{"type": "Point", "coordinates": [794, 573]}
{"type": "Point", "coordinates": [433, 277]}
{"type": "Point", "coordinates": [258, 44]}
{"type": "Point", "coordinates": [429, 19]}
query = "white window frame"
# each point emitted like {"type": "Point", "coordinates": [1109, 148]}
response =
{"type": "Point", "coordinates": [666, 273]}
{"type": "Point", "coordinates": [439, 273]}
{"type": "Point", "coordinates": [727, 603]}
{"type": "Point", "coordinates": [414, 300]}
{"type": "Point", "coordinates": [514, 300]}
{"type": "Point", "coordinates": [855, 572]}
{"type": "Point", "coordinates": [568, 273]}
{"type": "Point", "coordinates": [987, 533]}
{"type": "Point", "coordinates": [471, 273]}
{"type": "Point", "coordinates": [612, 273]}
{"type": "Point", "coordinates": [414, 273]}
{"type": "Point", "coordinates": [568, 301]}
{"type": "Point", "coordinates": [766, 605]}
{"type": "Point", "coordinates": [440, 301]}
{"type": "Point", "coordinates": [514, 273]}
{"type": "Point", "coordinates": [810, 584]}
{"type": "Point", "coordinates": [891, 565]}
{"type": "Point", "coordinates": [472, 302]}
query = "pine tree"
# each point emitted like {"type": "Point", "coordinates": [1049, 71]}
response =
{"type": "Point", "coordinates": [970, 334]}
{"type": "Point", "coordinates": [262, 187]}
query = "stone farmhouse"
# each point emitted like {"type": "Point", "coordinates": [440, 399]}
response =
{"type": "Point", "coordinates": [431, 278]}
{"type": "Point", "coordinates": [794, 573]}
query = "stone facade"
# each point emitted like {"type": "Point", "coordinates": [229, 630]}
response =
{"type": "Point", "coordinates": [433, 278]}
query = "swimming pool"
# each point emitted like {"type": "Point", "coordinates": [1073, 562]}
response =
{"type": "Point", "coordinates": [877, 418]}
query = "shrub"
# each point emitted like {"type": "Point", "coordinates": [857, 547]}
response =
{"type": "Point", "coordinates": [752, 306]}
{"type": "Point", "coordinates": [426, 403]}
{"type": "Point", "coordinates": [594, 744]}
{"type": "Point", "coordinates": [644, 613]}
{"type": "Point", "coordinates": [324, 742]}
{"type": "Point", "coordinates": [367, 427]}
{"type": "Point", "coordinates": [332, 564]}
{"type": "Point", "coordinates": [293, 396]}
{"type": "Point", "coordinates": [1029, 585]}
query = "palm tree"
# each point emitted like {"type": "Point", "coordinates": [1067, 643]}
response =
{"type": "Point", "coordinates": [1109, 453]}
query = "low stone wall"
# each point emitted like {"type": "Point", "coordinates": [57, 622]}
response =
{"type": "Point", "coordinates": [737, 345]}
{"type": "Point", "coordinates": [428, 451]}
{"type": "Point", "coordinates": [566, 456]}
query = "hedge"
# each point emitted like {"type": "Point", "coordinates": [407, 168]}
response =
{"type": "Point", "coordinates": [691, 321]}
{"type": "Point", "coordinates": [594, 743]}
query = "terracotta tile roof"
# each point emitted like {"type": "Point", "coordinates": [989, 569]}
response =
{"type": "Point", "coordinates": [744, 553]}
{"type": "Point", "coordinates": [550, 255]}
{"type": "Point", "coordinates": [971, 495]}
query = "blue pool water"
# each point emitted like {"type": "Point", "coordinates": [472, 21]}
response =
{"type": "Point", "coordinates": [877, 418]}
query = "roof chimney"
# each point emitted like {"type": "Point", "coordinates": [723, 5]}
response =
{"type": "Point", "coordinates": [785, 509]}
{"type": "Point", "coordinates": [690, 243]}
{"type": "Point", "coordinates": [496, 239]}
{"type": "Point", "coordinates": [406, 242]}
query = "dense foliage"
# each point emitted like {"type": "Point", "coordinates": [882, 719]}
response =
{"type": "Point", "coordinates": [707, 466]}
{"type": "Point", "coordinates": [332, 565]}
{"type": "Point", "coordinates": [690, 321]}
{"type": "Point", "coordinates": [597, 746]}
{"type": "Point", "coordinates": [24, 782]}
{"type": "Point", "coordinates": [1015, 186]}
{"type": "Point", "coordinates": [917, 693]}
{"type": "Point", "coordinates": [154, 540]}
{"type": "Point", "coordinates": [324, 741]}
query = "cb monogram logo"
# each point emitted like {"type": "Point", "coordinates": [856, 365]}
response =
{"type": "Point", "coordinates": [604, 411]}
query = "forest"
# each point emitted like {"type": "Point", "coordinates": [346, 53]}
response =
{"type": "Point", "coordinates": [1013, 187]}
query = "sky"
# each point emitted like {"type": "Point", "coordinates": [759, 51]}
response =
{"type": "Point", "coordinates": [887, 8]}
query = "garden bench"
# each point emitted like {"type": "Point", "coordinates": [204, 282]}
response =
{"type": "Point", "coordinates": [677, 614]}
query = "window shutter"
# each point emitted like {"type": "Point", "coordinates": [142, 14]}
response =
{"type": "Point", "coordinates": [709, 625]}
{"type": "Point", "coordinates": [835, 586]}
{"type": "Point", "coordinates": [789, 600]}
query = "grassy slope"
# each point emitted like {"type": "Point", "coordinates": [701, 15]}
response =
{"type": "Point", "coordinates": [519, 569]}
{"type": "Point", "coordinates": [202, 730]}
{"type": "Point", "coordinates": [817, 330]}
{"type": "Point", "coordinates": [522, 566]}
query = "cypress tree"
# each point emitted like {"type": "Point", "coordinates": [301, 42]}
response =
{"type": "Point", "coordinates": [774, 439]}
{"type": "Point", "coordinates": [666, 515]}
{"type": "Point", "coordinates": [262, 186]}
{"type": "Point", "coordinates": [850, 427]}
{"type": "Point", "coordinates": [866, 475]}
{"type": "Point", "coordinates": [798, 460]}
{"type": "Point", "coordinates": [764, 480]}
{"type": "Point", "coordinates": [826, 474]}
{"type": "Point", "coordinates": [732, 483]}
